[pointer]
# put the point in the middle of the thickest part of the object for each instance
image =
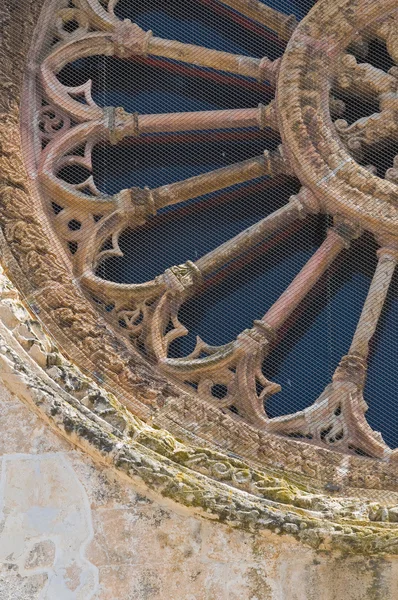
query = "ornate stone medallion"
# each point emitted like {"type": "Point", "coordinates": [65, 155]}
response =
{"type": "Point", "coordinates": [58, 231]}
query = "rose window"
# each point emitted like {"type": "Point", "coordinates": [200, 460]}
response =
{"type": "Point", "coordinates": [265, 164]}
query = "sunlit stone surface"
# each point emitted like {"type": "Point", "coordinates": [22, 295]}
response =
{"type": "Point", "coordinates": [239, 461]}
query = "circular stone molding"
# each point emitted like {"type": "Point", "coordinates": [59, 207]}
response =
{"type": "Point", "coordinates": [320, 158]}
{"type": "Point", "coordinates": [137, 413]}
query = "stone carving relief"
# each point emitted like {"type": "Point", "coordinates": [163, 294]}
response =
{"type": "Point", "coordinates": [89, 223]}
{"type": "Point", "coordinates": [210, 483]}
{"type": "Point", "coordinates": [56, 234]}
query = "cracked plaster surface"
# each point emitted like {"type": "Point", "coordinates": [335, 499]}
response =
{"type": "Point", "coordinates": [127, 545]}
{"type": "Point", "coordinates": [45, 523]}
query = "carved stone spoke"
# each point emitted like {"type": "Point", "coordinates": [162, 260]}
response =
{"type": "Point", "coordinates": [121, 124]}
{"type": "Point", "coordinates": [135, 204]}
{"type": "Point", "coordinates": [179, 282]}
{"type": "Point", "coordinates": [182, 281]}
{"type": "Point", "coordinates": [239, 118]}
{"type": "Point", "coordinates": [269, 164]}
{"type": "Point", "coordinates": [317, 65]}
{"type": "Point", "coordinates": [298, 207]}
{"type": "Point", "coordinates": [337, 418]}
{"type": "Point", "coordinates": [388, 258]}
{"type": "Point", "coordinates": [336, 240]}
{"type": "Point", "coordinates": [78, 102]}
{"type": "Point", "coordinates": [80, 206]}
{"type": "Point", "coordinates": [240, 362]}
{"type": "Point", "coordinates": [282, 24]}
{"type": "Point", "coordinates": [258, 11]}
{"type": "Point", "coordinates": [127, 41]}
{"type": "Point", "coordinates": [260, 69]}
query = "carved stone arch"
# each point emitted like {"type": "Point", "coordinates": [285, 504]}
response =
{"type": "Point", "coordinates": [58, 283]}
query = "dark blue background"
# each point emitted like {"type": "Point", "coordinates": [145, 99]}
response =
{"type": "Point", "coordinates": [308, 354]}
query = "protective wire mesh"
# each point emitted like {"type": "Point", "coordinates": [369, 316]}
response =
{"type": "Point", "coordinates": [311, 341]}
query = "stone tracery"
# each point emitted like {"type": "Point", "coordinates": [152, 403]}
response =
{"type": "Point", "coordinates": [89, 223]}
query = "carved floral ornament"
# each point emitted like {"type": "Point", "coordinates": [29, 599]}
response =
{"type": "Point", "coordinates": [57, 234]}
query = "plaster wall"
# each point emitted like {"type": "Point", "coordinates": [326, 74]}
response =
{"type": "Point", "coordinates": [74, 530]}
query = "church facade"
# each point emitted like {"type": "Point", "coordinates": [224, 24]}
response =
{"type": "Point", "coordinates": [162, 439]}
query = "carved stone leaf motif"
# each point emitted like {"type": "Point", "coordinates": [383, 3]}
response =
{"type": "Point", "coordinates": [52, 122]}
{"type": "Point", "coordinates": [88, 223]}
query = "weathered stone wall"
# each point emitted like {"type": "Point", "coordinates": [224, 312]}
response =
{"type": "Point", "coordinates": [75, 529]}
{"type": "Point", "coordinates": [71, 529]}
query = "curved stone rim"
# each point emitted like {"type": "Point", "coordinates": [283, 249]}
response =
{"type": "Point", "coordinates": [209, 483]}
{"type": "Point", "coordinates": [320, 159]}
{"type": "Point", "coordinates": [47, 286]}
